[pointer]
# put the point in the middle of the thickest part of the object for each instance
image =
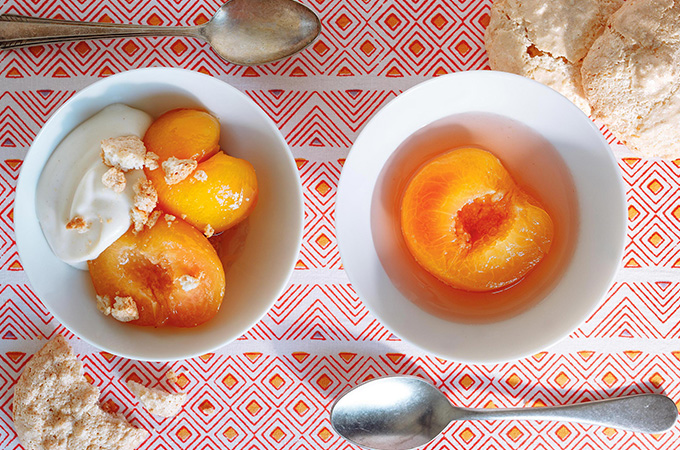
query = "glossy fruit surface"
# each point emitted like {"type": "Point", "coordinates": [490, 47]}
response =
{"type": "Point", "coordinates": [466, 222]}
{"type": "Point", "coordinates": [184, 134]}
{"type": "Point", "coordinates": [170, 270]}
{"type": "Point", "coordinates": [221, 192]}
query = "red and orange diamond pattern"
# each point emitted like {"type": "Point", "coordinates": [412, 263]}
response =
{"type": "Point", "coordinates": [274, 386]}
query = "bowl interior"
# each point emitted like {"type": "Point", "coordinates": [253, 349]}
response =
{"type": "Point", "coordinates": [254, 281]}
{"type": "Point", "coordinates": [536, 168]}
{"type": "Point", "coordinates": [599, 199]}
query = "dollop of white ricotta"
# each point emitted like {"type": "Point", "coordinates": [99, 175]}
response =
{"type": "Point", "coordinates": [70, 185]}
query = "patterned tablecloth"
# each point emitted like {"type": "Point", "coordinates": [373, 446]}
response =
{"type": "Point", "coordinates": [274, 386]}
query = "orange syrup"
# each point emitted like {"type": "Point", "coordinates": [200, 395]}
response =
{"type": "Point", "coordinates": [535, 166]}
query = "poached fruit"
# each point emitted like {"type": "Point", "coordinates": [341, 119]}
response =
{"type": "Point", "coordinates": [170, 270]}
{"type": "Point", "coordinates": [184, 133]}
{"type": "Point", "coordinates": [465, 221]}
{"type": "Point", "coordinates": [224, 197]}
{"type": "Point", "coordinates": [226, 191]}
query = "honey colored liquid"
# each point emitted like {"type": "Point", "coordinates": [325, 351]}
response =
{"type": "Point", "coordinates": [536, 168]}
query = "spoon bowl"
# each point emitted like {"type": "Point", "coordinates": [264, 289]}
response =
{"type": "Point", "coordinates": [244, 32]}
{"type": "Point", "coordinates": [397, 413]}
{"type": "Point", "coordinates": [401, 413]}
{"type": "Point", "coordinates": [250, 32]}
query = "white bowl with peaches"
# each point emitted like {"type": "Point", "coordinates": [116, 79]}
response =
{"type": "Point", "coordinates": [481, 216]}
{"type": "Point", "coordinates": [158, 214]}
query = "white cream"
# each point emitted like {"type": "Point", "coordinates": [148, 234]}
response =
{"type": "Point", "coordinates": [70, 185]}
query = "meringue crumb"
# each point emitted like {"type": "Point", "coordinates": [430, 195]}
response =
{"type": "Point", "coordinates": [188, 282]}
{"type": "Point", "coordinates": [114, 179]}
{"type": "Point", "coordinates": [79, 224]}
{"type": "Point", "coordinates": [124, 153]}
{"type": "Point", "coordinates": [153, 218]}
{"type": "Point", "coordinates": [146, 196]}
{"type": "Point", "coordinates": [158, 402]}
{"type": "Point", "coordinates": [171, 376]}
{"type": "Point", "coordinates": [177, 170]}
{"type": "Point", "coordinates": [200, 175]}
{"type": "Point", "coordinates": [124, 309]}
{"type": "Point", "coordinates": [169, 218]}
{"type": "Point", "coordinates": [55, 407]}
{"type": "Point", "coordinates": [151, 161]}
{"type": "Point", "coordinates": [145, 200]}
{"type": "Point", "coordinates": [104, 304]}
{"type": "Point", "coordinates": [208, 231]}
{"type": "Point", "coordinates": [139, 219]}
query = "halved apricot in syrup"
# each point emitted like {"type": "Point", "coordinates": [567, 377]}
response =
{"type": "Point", "coordinates": [466, 222]}
{"type": "Point", "coordinates": [170, 270]}
{"type": "Point", "coordinates": [184, 134]}
{"type": "Point", "coordinates": [224, 194]}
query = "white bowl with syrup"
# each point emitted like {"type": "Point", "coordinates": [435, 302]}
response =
{"type": "Point", "coordinates": [254, 281]}
{"type": "Point", "coordinates": [542, 139]}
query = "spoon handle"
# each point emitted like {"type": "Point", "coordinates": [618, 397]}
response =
{"type": "Point", "coordinates": [22, 31]}
{"type": "Point", "coordinates": [647, 413]}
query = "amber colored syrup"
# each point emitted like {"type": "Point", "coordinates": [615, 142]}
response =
{"type": "Point", "coordinates": [536, 168]}
{"type": "Point", "coordinates": [230, 244]}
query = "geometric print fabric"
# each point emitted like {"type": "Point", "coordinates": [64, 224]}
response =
{"type": "Point", "coordinates": [274, 386]}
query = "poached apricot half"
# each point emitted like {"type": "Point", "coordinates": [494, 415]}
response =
{"type": "Point", "coordinates": [466, 221]}
{"type": "Point", "coordinates": [223, 195]}
{"type": "Point", "coordinates": [184, 134]}
{"type": "Point", "coordinates": [170, 270]}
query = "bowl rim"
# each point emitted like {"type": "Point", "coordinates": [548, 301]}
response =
{"type": "Point", "coordinates": [347, 229]}
{"type": "Point", "coordinates": [23, 239]}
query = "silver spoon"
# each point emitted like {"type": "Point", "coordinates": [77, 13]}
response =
{"type": "Point", "coordinates": [401, 413]}
{"type": "Point", "coordinates": [245, 32]}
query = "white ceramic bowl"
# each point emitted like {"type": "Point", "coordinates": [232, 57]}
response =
{"type": "Point", "coordinates": [261, 272]}
{"type": "Point", "coordinates": [598, 239]}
